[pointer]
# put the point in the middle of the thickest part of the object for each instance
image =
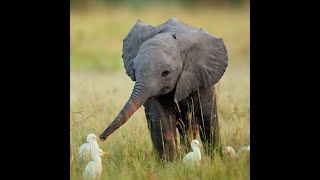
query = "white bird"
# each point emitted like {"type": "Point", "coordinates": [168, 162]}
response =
{"type": "Point", "coordinates": [246, 148]}
{"type": "Point", "coordinates": [232, 153]}
{"type": "Point", "coordinates": [89, 148]}
{"type": "Point", "coordinates": [93, 169]}
{"type": "Point", "coordinates": [193, 158]}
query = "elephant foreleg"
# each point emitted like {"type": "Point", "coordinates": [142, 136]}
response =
{"type": "Point", "coordinates": [162, 126]}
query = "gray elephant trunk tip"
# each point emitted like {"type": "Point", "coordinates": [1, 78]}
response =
{"type": "Point", "coordinates": [138, 96]}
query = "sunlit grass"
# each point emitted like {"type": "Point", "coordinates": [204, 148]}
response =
{"type": "Point", "coordinates": [96, 99]}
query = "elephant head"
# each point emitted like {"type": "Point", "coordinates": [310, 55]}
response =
{"type": "Point", "coordinates": [172, 56]}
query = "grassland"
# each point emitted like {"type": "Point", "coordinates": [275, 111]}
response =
{"type": "Point", "coordinates": [100, 88]}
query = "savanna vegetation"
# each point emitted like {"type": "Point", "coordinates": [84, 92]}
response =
{"type": "Point", "coordinates": [100, 88]}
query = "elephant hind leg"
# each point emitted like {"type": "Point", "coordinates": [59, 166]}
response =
{"type": "Point", "coordinates": [207, 116]}
{"type": "Point", "coordinates": [188, 130]}
{"type": "Point", "coordinates": [182, 128]}
{"type": "Point", "coordinates": [209, 134]}
{"type": "Point", "coordinates": [195, 130]}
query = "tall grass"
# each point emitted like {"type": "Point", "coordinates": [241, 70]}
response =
{"type": "Point", "coordinates": [96, 98]}
{"type": "Point", "coordinates": [100, 88]}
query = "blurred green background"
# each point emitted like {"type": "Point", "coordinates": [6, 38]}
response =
{"type": "Point", "coordinates": [97, 28]}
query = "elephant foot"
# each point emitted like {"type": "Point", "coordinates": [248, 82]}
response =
{"type": "Point", "coordinates": [167, 148]}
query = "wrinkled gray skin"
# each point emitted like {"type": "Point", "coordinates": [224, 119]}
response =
{"type": "Point", "coordinates": [169, 63]}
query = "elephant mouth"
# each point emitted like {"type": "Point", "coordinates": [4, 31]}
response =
{"type": "Point", "coordinates": [164, 90]}
{"type": "Point", "coordinates": [150, 98]}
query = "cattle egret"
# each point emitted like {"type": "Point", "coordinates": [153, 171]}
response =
{"type": "Point", "coordinates": [193, 158]}
{"type": "Point", "coordinates": [93, 169]}
{"type": "Point", "coordinates": [232, 153]}
{"type": "Point", "coordinates": [246, 148]}
{"type": "Point", "coordinates": [89, 148]}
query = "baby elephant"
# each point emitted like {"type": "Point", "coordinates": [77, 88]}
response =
{"type": "Point", "coordinates": [175, 67]}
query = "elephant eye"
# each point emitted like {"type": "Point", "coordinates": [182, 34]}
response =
{"type": "Point", "coordinates": [165, 73]}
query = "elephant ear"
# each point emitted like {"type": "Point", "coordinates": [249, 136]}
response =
{"type": "Point", "coordinates": [132, 42]}
{"type": "Point", "coordinates": [204, 62]}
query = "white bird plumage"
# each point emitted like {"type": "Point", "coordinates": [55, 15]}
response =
{"type": "Point", "coordinates": [88, 148]}
{"type": "Point", "coordinates": [235, 155]}
{"type": "Point", "coordinates": [193, 158]}
{"type": "Point", "coordinates": [93, 169]}
{"type": "Point", "coordinates": [246, 148]}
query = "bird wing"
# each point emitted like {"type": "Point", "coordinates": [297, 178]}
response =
{"type": "Point", "coordinates": [246, 148]}
{"type": "Point", "coordinates": [84, 151]}
{"type": "Point", "coordinates": [188, 158]}
{"type": "Point", "coordinates": [88, 172]}
{"type": "Point", "coordinates": [81, 149]}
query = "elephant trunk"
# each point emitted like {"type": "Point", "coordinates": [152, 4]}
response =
{"type": "Point", "coordinates": [138, 96]}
